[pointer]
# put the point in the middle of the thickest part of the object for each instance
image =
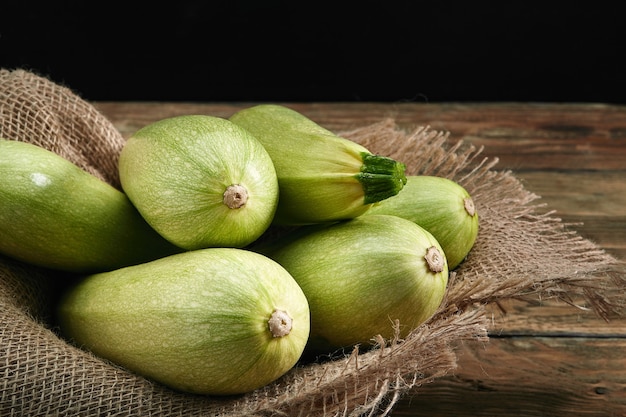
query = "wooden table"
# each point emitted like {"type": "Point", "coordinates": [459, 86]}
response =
{"type": "Point", "coordinates": [541, 360]}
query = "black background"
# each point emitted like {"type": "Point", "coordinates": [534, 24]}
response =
{"type": "Point", "coordinates": [275, 50]}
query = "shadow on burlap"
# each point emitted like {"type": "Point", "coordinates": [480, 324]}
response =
{"type": "Point", "coordinates": [522, 251]}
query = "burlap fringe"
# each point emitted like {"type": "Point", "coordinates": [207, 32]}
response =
{"type": "Point", "coordinates": [522, 251]}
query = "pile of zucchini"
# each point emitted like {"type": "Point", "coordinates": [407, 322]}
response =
{"type": "Point", "coordinates": [236, 247]}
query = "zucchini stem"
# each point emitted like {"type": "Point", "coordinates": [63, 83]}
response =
{"type": "Point", "coordinates": [381, 177]}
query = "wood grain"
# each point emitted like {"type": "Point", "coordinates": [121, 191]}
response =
{"type": "Point", "coordinates": [529, 376]}
{"type": "Point", "coordinates": [542, 358]}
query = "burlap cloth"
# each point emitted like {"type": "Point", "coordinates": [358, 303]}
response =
{"type": "Point", "coordinates": [522, 251]}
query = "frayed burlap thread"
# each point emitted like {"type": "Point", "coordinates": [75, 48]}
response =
{"type": "Point", "coordinates": [522, 251]}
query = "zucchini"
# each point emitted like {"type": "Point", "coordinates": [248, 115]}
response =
{"type": "Point", "coordinates": [361, 275]}
{"type": "Point", "coordinates": [200, 181]}
{"type": "Point", "coordinates": [441, 206]}
{"type": "Point", "coordinates": [55, 215]}
{"type": "Point", "coordinates": [322, 177]}
{"type": "Point", "coordinates": [217, 321]}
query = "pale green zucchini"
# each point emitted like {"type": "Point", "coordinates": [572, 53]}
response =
{"type": "Point", "coordinates": [200, 181]}
{"type": "Point", "coordinates": [441, 206]}
{"type": "Point", "coordinates": [322, 177]}
{"type": "Point", "coordinates": [363, 274]}
{"type": "Point", "coordinates": [217, 321]}
{"type": "Point", "coordinates": [55, 215]}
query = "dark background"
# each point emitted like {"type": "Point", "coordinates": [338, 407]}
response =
{"type": "Point", "coordinates": [274, 50]}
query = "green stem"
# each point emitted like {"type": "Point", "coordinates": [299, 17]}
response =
{"type": "Point", "coordinates": [381, 177]}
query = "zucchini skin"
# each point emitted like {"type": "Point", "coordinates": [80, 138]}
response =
{"type": "Point", "coordinates": [57, 216]}
{"type": "Point", "coordinates": [322, 177]}
{"type": "Point", "coordinates": [360, 275]}
{"type": "Point", "coordinates": [441, 206]}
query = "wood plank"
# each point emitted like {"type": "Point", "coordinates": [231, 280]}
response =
{"type": "Point", "coordinates": [549, 318]}
{"type": "Point", "coordinates": [529, 376]}
{"type": "Point", "coordinates": [580, 194]}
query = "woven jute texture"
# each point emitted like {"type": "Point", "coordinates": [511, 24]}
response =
{"type": "Point", "coordinates": [522, 251]}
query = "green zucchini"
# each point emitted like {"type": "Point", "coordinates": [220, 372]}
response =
{"type": "Point", "coordinates": [361, 275]}
{"type": "Point", "coordinates": [441, 206]}
{"type": "Point", "coordinates": [200, 181]}
{"type": "Point", "coordinates": [217, 321]}
{"type": "Point", "coordinates": [55, 215]}
{"type": "Point", "coordinates": [322, 177]}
